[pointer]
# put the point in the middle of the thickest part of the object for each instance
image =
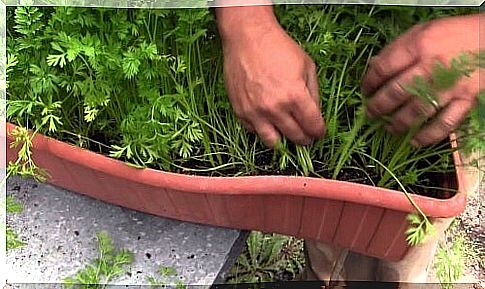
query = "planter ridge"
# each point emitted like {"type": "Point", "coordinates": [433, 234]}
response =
{"type": "Point", "coordinates": [365, 219]}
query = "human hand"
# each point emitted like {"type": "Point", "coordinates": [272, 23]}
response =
{"type": "Point", "coordinates": [270, 80]}
{"type": "Point", "coordinates": [414, 54]}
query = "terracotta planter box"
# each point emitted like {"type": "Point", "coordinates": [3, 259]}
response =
{"type": "Point", "coordinates": [365, 219]}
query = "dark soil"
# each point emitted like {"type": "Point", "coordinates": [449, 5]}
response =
{"type": "Point", "coordinates": [283, 276]}
{"type": "Point", "coordinates": [430, 185]}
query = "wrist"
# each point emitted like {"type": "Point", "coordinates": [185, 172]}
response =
{"type": "Point", "coordinates": [245, 23]}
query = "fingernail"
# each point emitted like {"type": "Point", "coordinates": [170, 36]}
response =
{"type": "Point", "coordinates": [415, 143]}
{"type": "Point", "coordinates": [276, 144]}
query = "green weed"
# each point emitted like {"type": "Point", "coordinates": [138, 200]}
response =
{"type": "Point", "coordinates": [150, 81]}
{"type": "Point", "coordinates": [146, 86]}
{"type": "Point", "coordinates": [456, 252]}
{"type": "Point", "coordinates": [450, 262]}
{"type": "Point", "coordinates": [166, 272]}
{"type": "Point", "coordinates": [24, 166]}
{"type": "Point", "coordinates": [266, 256]}
{"type": "Point", "coordinates": [13, 240]}
{"type": "Point", "coordinates": [109, 265]}
{"type": "Point", "coordinates": [13, 206]}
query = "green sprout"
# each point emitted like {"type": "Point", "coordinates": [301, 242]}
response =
{"type": "Point", "coordinates": [109, 265]}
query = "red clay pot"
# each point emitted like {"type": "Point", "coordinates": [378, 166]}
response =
{"type": "Point", "coordinates": [365, 219]}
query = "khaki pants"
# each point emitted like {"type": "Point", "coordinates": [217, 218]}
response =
{"type": "Point", "coordinates": [325, 262]}
{"type": "Point", "coordinates": [330, 263]}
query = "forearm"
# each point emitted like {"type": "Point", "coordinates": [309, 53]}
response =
{"type": "Point", "coordinates": [243, 22]}
{"type": "Point", "coordinates": [481, 37]}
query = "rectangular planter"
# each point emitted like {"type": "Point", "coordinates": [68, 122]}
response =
{"type": "Point", "coordinates": [365, 219]}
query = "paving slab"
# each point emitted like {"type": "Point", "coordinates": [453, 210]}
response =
{"type": "Point", "coordinates": [59, 228]}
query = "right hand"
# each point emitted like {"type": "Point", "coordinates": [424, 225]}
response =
{"type": "Point", "coordinates": [270, 80]}
{"type": "Point", "coordinates": [415, 53]}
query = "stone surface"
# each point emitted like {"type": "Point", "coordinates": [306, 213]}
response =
{"type": "Point", "coordinates": [60, 229]}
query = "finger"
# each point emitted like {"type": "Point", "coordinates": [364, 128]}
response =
{"type": "Point", "coordinates": [312, 84]}
{"type": "Point", "coordinates": [288, 126]}
{"type": "Point", "coordinates": [309, 117]}
{"type": "Point", "coordinates": [392, 60]}
{"type": "Point", "coordinates": [465, 90]}
{"type": "Point", "coordinates": [415, 112]}
{"type": "Point", "coordinates": [393, 94]}
{"type": "Point", "coordinates": [266, 131]}
{"type": "Point", "coordinates": [446, 122]}
{"type": "Point", "coordinates": [247, 125]}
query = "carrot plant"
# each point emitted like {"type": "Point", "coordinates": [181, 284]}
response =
{"type": "Point", "coordinates": [111, 263]}
{"type": "Point", "coordinates": [146, 86]}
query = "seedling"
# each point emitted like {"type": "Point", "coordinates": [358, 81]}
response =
{"type": "Point", "coordinates": [109, 264]}
{"type": "Point", "coordinates": [146, 87]}
{"type": "Point", "coordinates": [13, 241]}
{"type": "Point", "coordinates": [13, 206]}
{"type": "Point", "coordinates": [266, 256]}
{"type": "Point", "coordinates": [166, 272]}
{"type": "Point", "coordinates": [24, 166]}
{"type": "Point", "coordinates": [450, 262]}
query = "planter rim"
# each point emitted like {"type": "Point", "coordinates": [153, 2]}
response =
{"type": "Point", "coordinates": [260, 185]}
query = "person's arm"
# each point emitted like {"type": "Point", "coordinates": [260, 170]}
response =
{"type": "Point", "coordinates": [234, 22]}
{"type": "Point", "coordinates": [271, 82]}
{"type": "Point", "coordinates": [413, 54]}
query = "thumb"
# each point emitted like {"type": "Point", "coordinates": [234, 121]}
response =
{"type": "Point", "coordinates": [312, 84]}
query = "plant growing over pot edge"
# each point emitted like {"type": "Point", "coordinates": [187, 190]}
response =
{"type": "Point", "coordinates": [190, 109]}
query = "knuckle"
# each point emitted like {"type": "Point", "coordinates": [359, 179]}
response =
{"type": "Point", "coordinates": [425, 69]}
{"type": "Point", "coordinates": [239, 113]}
{"type": "Point", "coordinates": [397, 90]}
{"type": "Point", "coordinates": [305, 141]}
{"type": "Point", "coordinates": [281, 104]}
{"type": "Point", "coordinates": [312, 66]}
{"type": "Point", "coordinates": [248, 127]}
{"type": "Point", "coordinates": [299, 90]}
{"type": "Point", "coordinates": [441, 59]}
{"type": "Point", "coordinates": [297, 135]}
{"type": "Point", "coordinates": [399, 120]}
{"type": "Point", "coordinates": [419, 44]}
{"type": "Point", "coordinates": [420, 109]}
{"type": "Point", "coordinates": [373, 108]}
{"type": "Point", "coordinates": [253, 87]}
{"type": "Point", "coordinates": [243, 112]}
{"type": "Point", "coordinates": [299, 138]}
{"type": "Point", "coordinates": [400, 123]}
{"type": "Point", "coordinates": [467, 92]}
{"type": "Point", "coordinates": [266, 105]}
{"type": "Point", "coordinates": [376, 66]}
{"type": "Point", "coordinates": [411, 48]}
{"type": "Point", "coordinates": [264, 132]}
{"type": "Point", "coordinates": [448, 124]}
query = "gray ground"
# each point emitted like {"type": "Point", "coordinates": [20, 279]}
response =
{"type": "Point", "coordinates": [59, 228]}
{"type": "Point", "coordinates": [57, 250]}
{"type": "Point", "coordinates": [471, 222]}
{"type": "Point", "coordinates": [472, 228]}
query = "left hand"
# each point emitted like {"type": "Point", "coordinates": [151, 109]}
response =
{"type": "Point", "coordinates": [414, 54]}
